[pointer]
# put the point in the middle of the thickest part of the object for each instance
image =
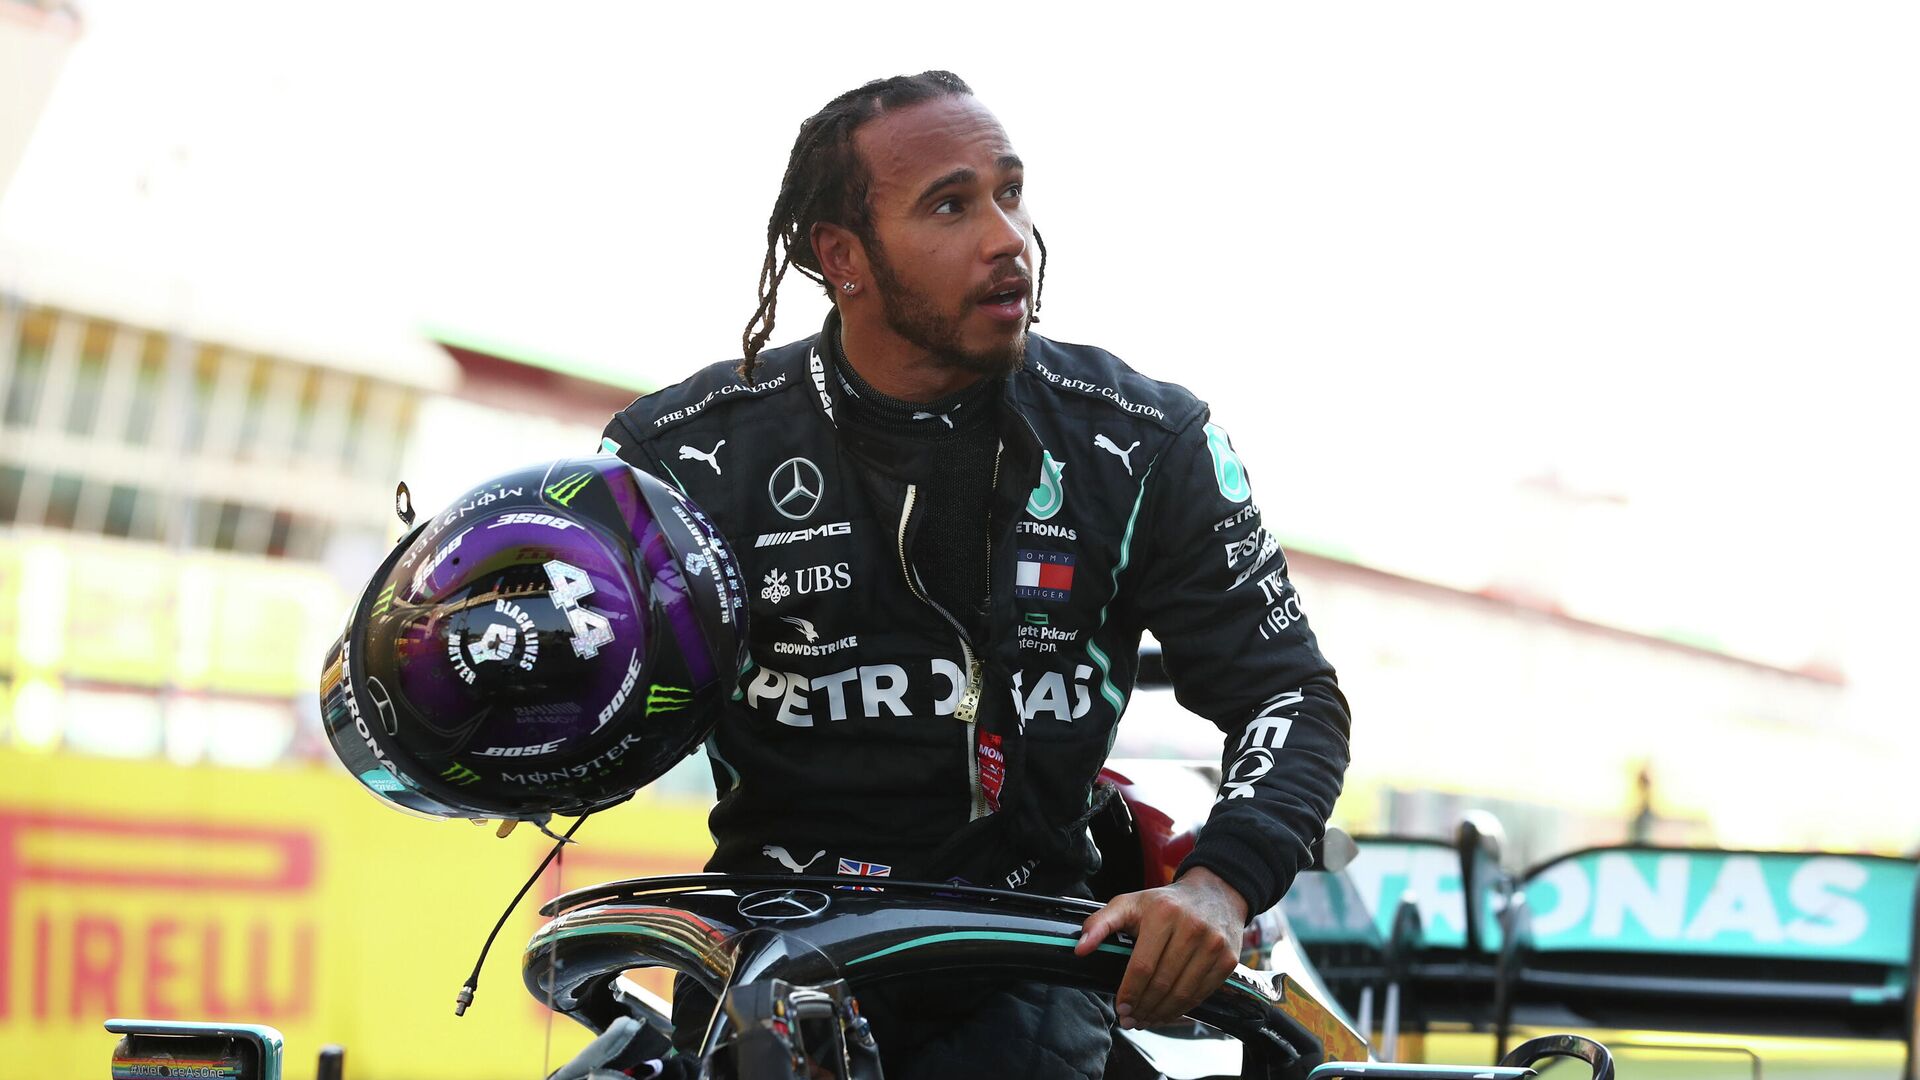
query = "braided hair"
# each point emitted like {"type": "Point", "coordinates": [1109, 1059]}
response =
{"type": "Point", "coordinates": [827, 182]}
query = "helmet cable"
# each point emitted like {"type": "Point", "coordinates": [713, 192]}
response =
{"type": "Point", "coordinates": [465, 997]}
{"type": "Point", "coordinates": [553, 959]}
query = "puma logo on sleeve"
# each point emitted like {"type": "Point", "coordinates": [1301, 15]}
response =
{"type": "Point", "coordinates": [1104, 443]}
{"type": "Point", "coordinates": [711, 457]}
{"type": "Point", "coordinates": [781, 856]}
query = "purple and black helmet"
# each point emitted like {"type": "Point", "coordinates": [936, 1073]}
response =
{"type": "Point", "coordinates": [553, 641]}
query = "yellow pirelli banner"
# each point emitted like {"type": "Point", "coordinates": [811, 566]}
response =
{"type": "Point", "coordinates": [288, 897]}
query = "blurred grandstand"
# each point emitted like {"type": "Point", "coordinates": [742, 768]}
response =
{"type": "Point", "coordinates": [190, 499]}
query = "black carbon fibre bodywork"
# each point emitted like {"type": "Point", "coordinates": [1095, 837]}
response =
{"type": "Point", "coordinates": [734, 930]}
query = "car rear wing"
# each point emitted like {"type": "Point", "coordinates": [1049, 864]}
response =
{"type": "Point", "coordinates": [1814, 944]}
{"type": "Point", "coordinates": [1809, 943]}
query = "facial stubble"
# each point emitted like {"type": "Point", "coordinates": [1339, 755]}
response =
{"type": "Point", "coordinates": [919, 321]}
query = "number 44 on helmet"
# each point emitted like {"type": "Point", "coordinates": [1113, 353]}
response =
{"type": "Point", "coordinates": [549, 643]}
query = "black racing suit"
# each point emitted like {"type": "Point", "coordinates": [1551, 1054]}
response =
{"type": "Point", "coordinates": [873, 734]}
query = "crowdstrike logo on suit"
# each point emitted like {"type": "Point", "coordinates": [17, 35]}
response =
{"type": "Point", "coordinates": [813, 645]}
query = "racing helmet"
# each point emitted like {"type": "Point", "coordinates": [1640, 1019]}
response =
{"type": "Point", "coordinates": [551, 642]}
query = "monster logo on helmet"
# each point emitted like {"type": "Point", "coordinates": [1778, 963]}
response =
{"type": "Point", "coordinates": [589, 560]}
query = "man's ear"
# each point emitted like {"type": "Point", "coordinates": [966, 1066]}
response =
{"type": "Point", "coordinates": [841, 255]}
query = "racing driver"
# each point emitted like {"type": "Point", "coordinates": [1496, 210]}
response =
{"type": "Point", "coordinates": [954, 532]}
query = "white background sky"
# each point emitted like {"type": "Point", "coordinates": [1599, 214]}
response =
{"type": "Point", "coordinates": [1413, 253]}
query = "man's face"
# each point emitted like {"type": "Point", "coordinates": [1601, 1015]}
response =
{"type": "Point", "coordinates": [952, 250]}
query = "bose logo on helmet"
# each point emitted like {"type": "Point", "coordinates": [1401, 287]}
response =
{"type": "Point", "coordinates": [427, 568]}
{"type": "Point", "coordinates": [626, 691]}
{"type": "Point", "coordinates": [549, 520]}
{"type": "Point", "coordinates": [520, 751]}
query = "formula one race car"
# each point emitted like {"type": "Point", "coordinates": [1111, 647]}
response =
{"type": "Point", "coordinates": [784, 954]}
{"type": "Point", "coordinates": [787, 956]}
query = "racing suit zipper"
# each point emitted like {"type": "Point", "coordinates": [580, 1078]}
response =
{"type": "Point", "coordinates": [968, 710]}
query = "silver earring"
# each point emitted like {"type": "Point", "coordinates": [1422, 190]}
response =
{"type": "Point", "coordinates": [848, 286]}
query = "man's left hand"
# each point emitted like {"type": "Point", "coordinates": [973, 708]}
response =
{"type": "Point", "coordinates": [1186, 939]}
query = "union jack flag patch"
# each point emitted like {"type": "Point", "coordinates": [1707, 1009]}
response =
{"type": "Point", "coordinates": [856, 868]}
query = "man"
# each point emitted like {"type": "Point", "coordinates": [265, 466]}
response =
{"type": "Point", "coordinates": [956, 531]}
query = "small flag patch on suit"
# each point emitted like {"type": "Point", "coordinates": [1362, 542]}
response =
{"type": "Point", "coordinates": [1043, 575]}
{"type": "Point", "coordinates": [856, 868]}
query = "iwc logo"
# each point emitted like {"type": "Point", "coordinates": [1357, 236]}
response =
{"type": "Point", "coordinates": [783, 905]}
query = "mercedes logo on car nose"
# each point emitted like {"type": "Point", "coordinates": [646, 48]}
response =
{"type": "Point", "coordinates": [795, 488]}
{"type": "Point", "coordinates": [783, 905]}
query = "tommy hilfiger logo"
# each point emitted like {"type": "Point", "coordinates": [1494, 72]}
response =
{"type": "Point", "coordinates": [1043, 575]}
